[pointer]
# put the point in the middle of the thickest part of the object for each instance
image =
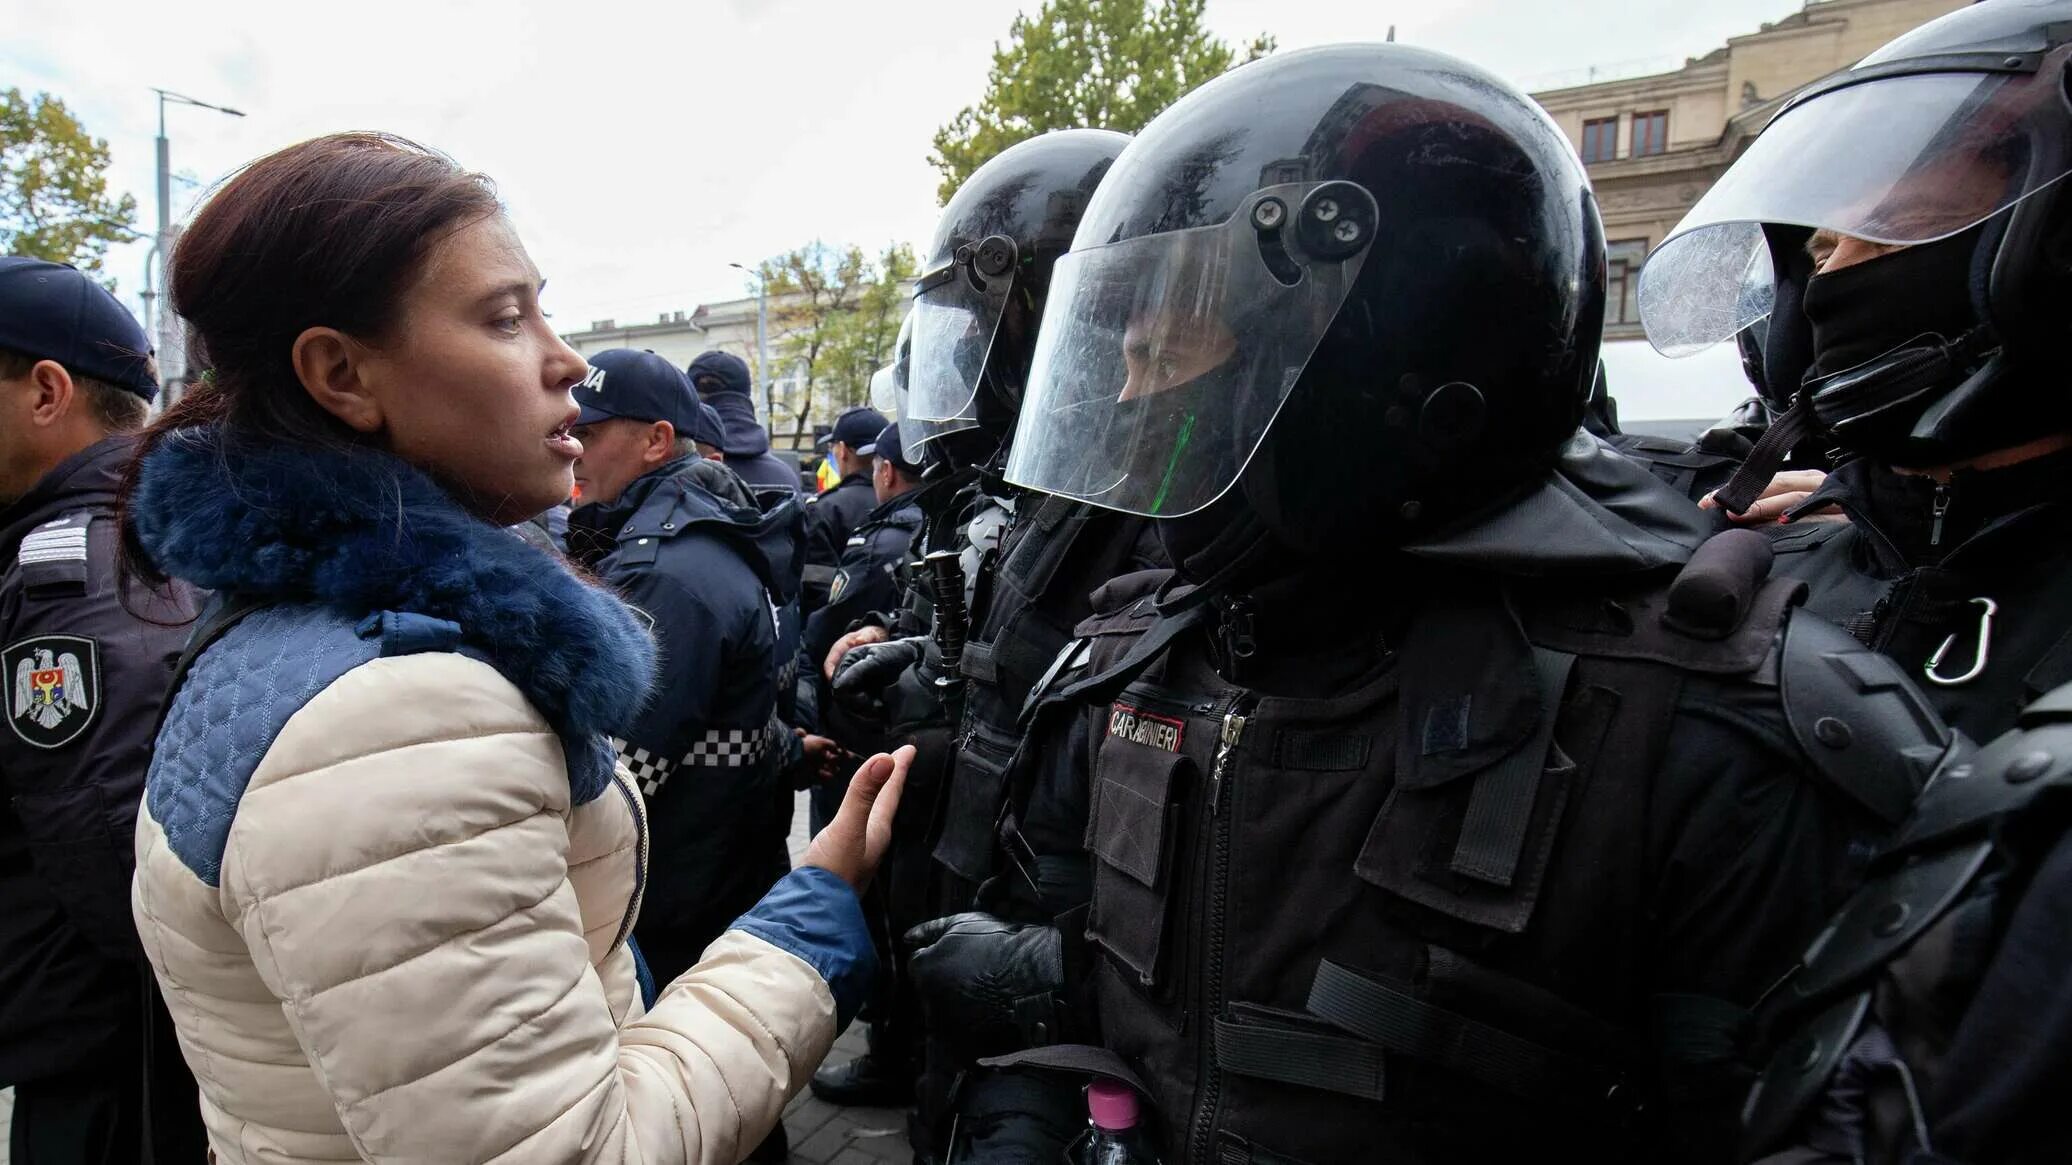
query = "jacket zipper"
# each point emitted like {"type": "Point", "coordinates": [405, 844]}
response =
{"type": "Point", "coordinates": [1217, 902]}
{"type": "Point", "coordinates": [640, 846]}
{"type": "Point", "coordinates": [1937, 509]}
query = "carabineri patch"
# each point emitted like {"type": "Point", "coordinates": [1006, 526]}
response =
{"type": "Point", "coordinates": [1140, 727]}
{"type": "Point", "coordinates": [55, 683]}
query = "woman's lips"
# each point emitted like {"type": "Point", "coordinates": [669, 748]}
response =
{"type": "Point", "coordinates": [561, 442]}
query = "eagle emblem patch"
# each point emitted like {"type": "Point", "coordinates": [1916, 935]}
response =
{"type": "Point", "coordinates": [54, 686]}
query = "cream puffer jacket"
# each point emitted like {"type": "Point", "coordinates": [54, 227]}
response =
{"type": "Point", "coordinates": [387, 867]}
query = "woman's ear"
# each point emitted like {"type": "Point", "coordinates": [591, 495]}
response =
{"type": "Point", "coordinates": [328, 363]}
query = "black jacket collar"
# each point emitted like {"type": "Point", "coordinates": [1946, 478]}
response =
{"type": "Point", "coordinates": [90, 477]}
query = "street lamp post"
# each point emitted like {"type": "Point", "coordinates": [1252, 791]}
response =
{"type": "Point", "coordinates": [172, 354]}
{"type": "Point", "coordinates": [762, 351]}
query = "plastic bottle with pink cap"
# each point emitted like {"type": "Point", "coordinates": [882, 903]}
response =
{"type": "Point", "coordinates": [1112, 1136]}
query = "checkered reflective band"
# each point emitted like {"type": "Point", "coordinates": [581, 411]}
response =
{"type": "Point", "coordinates": [649, 770]}
{"type": "Point", "coordinates": [725, 748]}
{"type": "Point", "coordinates": [729, 748]}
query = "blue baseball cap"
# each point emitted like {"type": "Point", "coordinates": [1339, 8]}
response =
{"type": "Point", "coordinates": [640, 386]}
{"type": "Point", "coordinates": [891, 448]}
{"type": "Point", "coordinates": [711, 430]}
{"type": "Point", "coordinates": [50, 311]}
{"type": "Point", "coordinates": [858, 428]}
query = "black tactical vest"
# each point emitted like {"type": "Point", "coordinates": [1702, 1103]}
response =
{"type": "Point", "coordinates": [1404, 922]}
{"type": "Point", "coordinates": [1050, 561]}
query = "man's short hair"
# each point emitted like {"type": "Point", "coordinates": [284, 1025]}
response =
{"type": "Point", "coordinates": [686, 447]}
{"type": "Point", "coordinates": [117, 410]}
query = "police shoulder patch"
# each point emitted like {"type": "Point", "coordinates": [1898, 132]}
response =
{"type": "Point", "coordinates": [1147, 728]}
{"type": "Point", "coordinates": [841, 583]}
{"type": "Point", "coordinates": [54, 688]}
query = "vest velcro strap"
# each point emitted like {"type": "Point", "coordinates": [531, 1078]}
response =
{"type": "Point", "coordinates": [977, 662]}
{"type": "Point", "coordinates": [1304, 1059]}
{"type": "Point", "coordinates": [1409, 1026]}
{"type": "Point", "coordinates": [1492, 831]}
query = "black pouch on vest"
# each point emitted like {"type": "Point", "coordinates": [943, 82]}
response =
{"type": "Point", "coordinates": [1132, 831]}
{"type": "Point", "coordinates": [1480, 788]}
{"type": "Point", "coordinates": [972, 802]}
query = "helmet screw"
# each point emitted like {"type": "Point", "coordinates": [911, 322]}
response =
{"type": "Point", "coordinates": [1326, 209]}
{"type": "Point", "coordinates": [1346, 231]}
{"type": "Point", "coordinates": [1269, 213]}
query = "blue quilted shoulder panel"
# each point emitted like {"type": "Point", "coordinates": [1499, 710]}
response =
{"type": "Point", "coordinates": [237, 697]}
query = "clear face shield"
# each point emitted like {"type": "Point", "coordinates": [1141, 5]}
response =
{"type": "Point", "coordinates": [884, 392]}
{"type": "Point", "coordinates": [957, 311]}
{"type": "Point", "coordinates": [1898, 161]}
{"type": "Point", "coordinates": [1163, 359]}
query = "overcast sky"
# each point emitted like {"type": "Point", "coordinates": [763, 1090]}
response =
{"type": "Point", "coordinates": [643, 147]}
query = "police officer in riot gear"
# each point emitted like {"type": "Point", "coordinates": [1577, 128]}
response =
{"type": "Point", "coordinates": [1902, 224]}
{"type": "Point", "coordinates": [1026, 564]}
{"type": "Point", "coordinates": [1474, 846]}
{"type": "Point", "coordinates": [1908, 221]}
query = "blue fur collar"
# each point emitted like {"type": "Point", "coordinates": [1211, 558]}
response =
{"type": "Point", "coordinates": [364, 532]}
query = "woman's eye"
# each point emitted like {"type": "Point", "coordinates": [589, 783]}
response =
{"type": "Point", "coordinates": [509, 325]}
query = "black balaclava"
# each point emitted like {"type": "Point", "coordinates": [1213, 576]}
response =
{"type": "Point", "coordinates": [1864, 311]}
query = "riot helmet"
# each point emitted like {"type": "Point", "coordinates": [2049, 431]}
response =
{"type": "Point", "coordinates": [1363, 283]}
{"type": "Point", "coordinates": [917, 440]}
{"type": "Point", "coordinates": [1942, 155]}
{"type": "Point", "coordinates": [982, 287]}
{"type": "Point", "coordinates": [888, 384]}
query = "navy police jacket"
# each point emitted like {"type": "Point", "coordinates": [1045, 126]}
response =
{"type": "Point", "coordinates": [830, 519]}
{"type": "Point", "coordinates": [84, 676]}
{"type": "Point", "coordinates": [687, 545]}
{"type": "Point", "coordinates": [865, 577]}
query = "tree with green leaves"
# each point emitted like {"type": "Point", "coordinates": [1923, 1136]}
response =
{"type": "Point", "coordinates": [54, 200]}
{"type": "Point", "coordinates": [834, 316]}
{"type": "Point", "coordinates": [1084, 64]}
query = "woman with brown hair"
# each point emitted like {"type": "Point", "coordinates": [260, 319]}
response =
{"type": "Point", "coordinates": [387, 863]}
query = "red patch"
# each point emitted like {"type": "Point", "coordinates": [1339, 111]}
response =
{"type": "Point", "coordinates": [1147, 728]}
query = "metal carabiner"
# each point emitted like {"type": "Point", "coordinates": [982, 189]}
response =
{"type": "Point", "coordinates": [1978, 662]}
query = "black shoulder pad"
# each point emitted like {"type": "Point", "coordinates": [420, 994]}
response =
{"type": "Point", "coordinates": [1858, 718]}
{"type": "Point", "coordinates": [1122, 601]}
{"type": "Point", "coordinates": [1637, 625]}
{"type": "Point", "coordinates": [2028, 762]}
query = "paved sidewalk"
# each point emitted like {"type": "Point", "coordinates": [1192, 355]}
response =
{"type": "Point", "coordinates": [825, 1135]}
{"type": "Point", "coordinates": [821, 1133]}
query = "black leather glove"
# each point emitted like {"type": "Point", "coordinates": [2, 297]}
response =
{"type": "Point", "coordinates": [989, 986]}
{"type": "Point", "coordinates": [865, 672]}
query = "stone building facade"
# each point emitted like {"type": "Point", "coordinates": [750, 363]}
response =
{"type": "Point", "coordinates": [1654, 144]}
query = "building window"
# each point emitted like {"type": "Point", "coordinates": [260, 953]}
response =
{"type": "Point", "coordinates": [1622, 287]}
{"type": "Point", "coordinates": [1650, 132]}
{"type": "Point", "coordinates": [1601, 139]}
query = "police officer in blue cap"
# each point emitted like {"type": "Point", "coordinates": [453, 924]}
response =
{"type": "Point", "coordinates": [722, 381]}
{"type": "Point", "coordinates": [681, 538]}
{"type": "Point", "coordinates": [83, 667]}
{"type": "Point", "coordinates": [852, 445]}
